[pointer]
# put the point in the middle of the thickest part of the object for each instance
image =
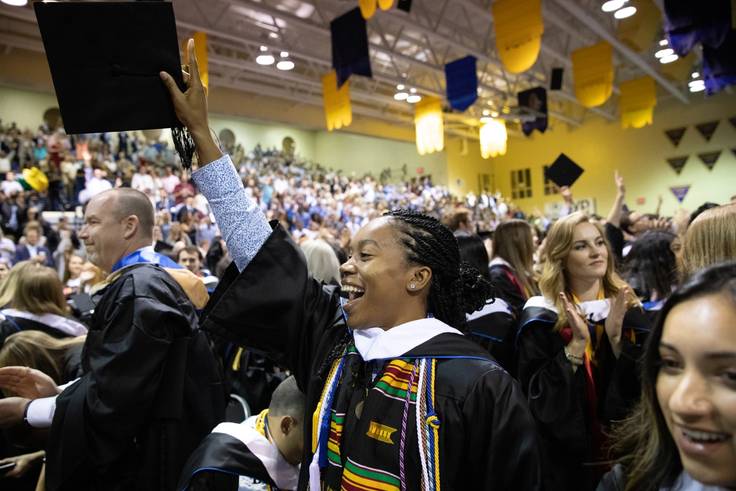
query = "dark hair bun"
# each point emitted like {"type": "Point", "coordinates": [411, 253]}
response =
{"type": "Point", "coordinates": [475, 289]}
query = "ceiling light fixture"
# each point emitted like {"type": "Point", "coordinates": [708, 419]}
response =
{"type": "Point", "coordinates": [414, 98]}
{"type": "Point", "coordinates": [664, 52]}
{"type": "Point", "coordinates": [664, 42]}
{"type": "Point", "coordinates": [612, 5]}
{"type": "Point", "coordinates": [15, 3]}
{"type": "Point", "coordinates": [697, 86]}
{"type": "Point", "coordinates": [669, 58]}
{"type": "Point", "coordinates": [625, 12]}
{"type": "Point", "coordinates": [265, 58]}
{"type": "Point", "coordinates": [401, 93]}
{"type": "Point", "coordinates": [285, 65]}
{"type": "Point", "coordinates": [695, 75]}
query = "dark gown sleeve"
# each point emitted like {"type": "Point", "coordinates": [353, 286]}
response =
{"type": "Point", "coordinates": [500, 436]}
{"type": "Point", "coordinates": [555, 393]}
{"type": "Point", "coordinates": [624, 388]}
{"type": "Point", "coordinates": [99, 417]}
{"type": "Point", "coordinates": [276, 307]}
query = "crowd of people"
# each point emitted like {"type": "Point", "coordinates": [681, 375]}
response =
{"type": "Point", "coordinates": [270, 324]}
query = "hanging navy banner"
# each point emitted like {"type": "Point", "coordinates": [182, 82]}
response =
{"type": "Point", "coordinates": [461, 79]}
{"type": "Point", "coordinates": [350, 46]}
{"type": "Point", "coordinates": [535, 101]}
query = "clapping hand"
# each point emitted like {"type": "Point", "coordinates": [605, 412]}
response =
{"type": "Point", "coordinates": [27, 382]}
{"type": "Point", "coordinates": [614, 322]}
{"type": "Point", "coordinates": [580, 332]}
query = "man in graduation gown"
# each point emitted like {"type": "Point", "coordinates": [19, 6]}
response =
{"type": "Point", "coordinates": [261, 453]}
{"type": "Point", "coordinates": [151, 388]}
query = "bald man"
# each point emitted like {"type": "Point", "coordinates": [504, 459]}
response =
{"type": "Point", "coordinates": [151, 388]}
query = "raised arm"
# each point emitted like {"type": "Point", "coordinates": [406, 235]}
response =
{"type": "Point", "coordinates": [614, 216]}
{"type": "Point", "coordinates": [244, 227]}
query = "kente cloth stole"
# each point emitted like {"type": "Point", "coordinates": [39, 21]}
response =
{"type": "Point", "coordinates": [393, 418]}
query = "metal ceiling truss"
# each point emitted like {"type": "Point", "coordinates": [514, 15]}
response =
{"type": "Point", "coordinates": [409, 48]}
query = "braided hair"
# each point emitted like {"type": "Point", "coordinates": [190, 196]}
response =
{"type": "Point", "coordinates": [456, 288]}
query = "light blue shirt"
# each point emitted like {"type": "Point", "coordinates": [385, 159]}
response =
{"type": "Point", "coordinates": [242, 223]}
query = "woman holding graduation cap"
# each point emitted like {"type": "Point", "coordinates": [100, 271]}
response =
{"type": "Point", "coordinates": [397, 397]}
{"type": "Point", "coordinates": [578, 346]}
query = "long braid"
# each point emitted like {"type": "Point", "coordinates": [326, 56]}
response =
{"type": "Point", "coordinates": [456, 288]}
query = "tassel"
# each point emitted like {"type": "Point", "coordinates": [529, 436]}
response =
{"type": "Point", "coordinates": [184, 146]}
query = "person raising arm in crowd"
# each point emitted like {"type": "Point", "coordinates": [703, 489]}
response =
{"type": "Point", "coordinates": [396, 397]}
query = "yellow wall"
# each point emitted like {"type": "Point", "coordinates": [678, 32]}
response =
{"type": "Point", "coordinates": [24, 107]}
{"type": "Point", "coordinates": [640, 155]}
{"type": "Point", "coordinates": [250, 133]}
{"type": "Point", "coordinates": [359, 154]}
{"type": "Point", "coordinates": [464, 165]}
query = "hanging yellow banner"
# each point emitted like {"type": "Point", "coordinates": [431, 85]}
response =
{"type": "Point", "coordinates": [592, 71]}
{"type": "Point", "coordinates": [429, 126]}
{"type": "Point", "coordinates": [200, 49]}
{"type": "Point", "coordinates": [636, 102]}
{"type": "Point", "coordinates": [368, 7]}
{"type": "Point", "coordinates": [338, 111]}
{"type": "Point", "coordinates": [519, 27]}
{"type": "Point", "coordinates": [640, 31]}
{"type": "Point", "coordinates": [493, 138]}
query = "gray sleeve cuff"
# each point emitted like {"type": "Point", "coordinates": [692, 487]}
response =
{"type": "Point", "coordinates": [243, 225]}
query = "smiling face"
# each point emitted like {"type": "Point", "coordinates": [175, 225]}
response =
{"type": "Point", "coordinates": [103, 232]}
{"type": "Point", "coordinates": [696, 386]}
{"type": "Point", "coordinates": [75, 266]}
{"type": "Point", "coordinates": [588, 257]}
{"type": "Point", "coordinates": [378, 279]}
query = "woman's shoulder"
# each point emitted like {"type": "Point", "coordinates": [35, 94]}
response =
{"type": "Point", "coordinates": [538, 309]}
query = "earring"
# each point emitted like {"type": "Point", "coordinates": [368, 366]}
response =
{"type": "Point", "coordinates": [412, 286]}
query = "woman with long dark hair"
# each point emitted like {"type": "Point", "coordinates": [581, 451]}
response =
{"type": "Point", "coordinates": [682, 435]}
{"type": "Point", "coordinates": [397, 398]}
{"type": "Point", "coordinates": [650, 268]}
{"type": "Point", "coordinates": [512, 265]}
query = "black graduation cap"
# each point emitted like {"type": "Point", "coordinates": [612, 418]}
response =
{"type": "Point", "coordinates": [350, 46]}
{"type": "Point", "coordinates": [105, 59]}
{"type": "Point", "coordinates": [563, 171]}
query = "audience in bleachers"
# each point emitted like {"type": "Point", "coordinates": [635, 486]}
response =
{"type": "Point", "coordinates": [573, 299]}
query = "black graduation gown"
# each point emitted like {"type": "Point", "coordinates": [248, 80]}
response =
{"type": "Point", "coordinates": [217, 464]}
{"type": "Point", "coordinates": [507, 287]}
{"type": "Point", "coordinates": [487, 436]}
{"type": "Point", "coordinates": [151, 390]}
{"type": "Point", "coordinates": [557, 396]}
{"type": "Point", "coordinates": [494, 328]}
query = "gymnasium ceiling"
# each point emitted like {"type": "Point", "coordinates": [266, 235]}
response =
{"type": "Point", "coordinates": [410, 48]}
